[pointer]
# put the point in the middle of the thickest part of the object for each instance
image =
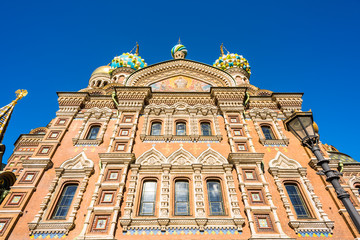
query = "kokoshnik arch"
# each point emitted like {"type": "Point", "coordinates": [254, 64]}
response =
{"type": "Point", "coordinates": [179, 149]}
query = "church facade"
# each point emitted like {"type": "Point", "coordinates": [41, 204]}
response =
{"type": "Point", "coordinates": [178, 149]}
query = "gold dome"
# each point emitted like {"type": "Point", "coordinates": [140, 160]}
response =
{"type": "Point", "coordinates": [102, 69]}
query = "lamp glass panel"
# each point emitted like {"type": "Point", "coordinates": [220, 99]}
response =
{"type": "Point", "coordinates": [297, 128]}
{"type": "Point", "coordinates": [308, 124]}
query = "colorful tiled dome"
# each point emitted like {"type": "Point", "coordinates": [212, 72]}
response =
{"type": "Point", "coordinates": [128, 60]}
{"type": "Point", "coordinates": [230, 60]}
{"type": "Point", "coordinates": [177, 48]}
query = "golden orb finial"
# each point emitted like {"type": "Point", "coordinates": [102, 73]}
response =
{"type": "Point", "coordinates": [20, 93]}
{"type": "Point", "coordinates": [316, 127]}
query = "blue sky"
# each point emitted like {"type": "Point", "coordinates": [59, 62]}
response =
{"type": "Point", "coordinates": [292, 46]}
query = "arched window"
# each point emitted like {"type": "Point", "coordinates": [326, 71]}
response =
{"type": "Point", "coordinates": [93, 132]}
{"type": "Point", "coordinates": [357, 186]}
{"type": "Point", "coordinates": [156, 128]}
{"type": "Point", "coordinates": [215, 197]}
{"type": "Point", "coordinates": [180, 128]}
{"type": "Point", "coordinates": [64, 202]}
{"type": "Point", "coordinates": [148, 198]}
{"type": "Point", "coordinates": [297, 201]}
{"type": "Point", "coordinates": [205, 129]}
{"type": "Point", "coordinates": [268, 133]}
{"type": "Point", "coordinates": [182, 198]}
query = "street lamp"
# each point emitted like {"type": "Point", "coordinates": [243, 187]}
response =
{"type": "Point", "coordinates": [301, 124]}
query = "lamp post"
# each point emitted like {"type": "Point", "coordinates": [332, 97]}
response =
{"type": "Point", "coordinates": [301, 124]}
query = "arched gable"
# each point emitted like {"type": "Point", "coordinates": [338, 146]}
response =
{"type": "Point", "coordinates": [80, 161]}
{"type": "Point", "coordinates": [283, 166]}
{"type": "Point", "coordinates": [151, 157]}
{"type": "Point", "coordinates": [211, 157]}
{"type": "Point", "coordinates": [181, 157]}
{"type": "Point", "coordinates": [200, 72]}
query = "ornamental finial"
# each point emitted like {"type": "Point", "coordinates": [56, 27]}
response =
{"type": "Point", "coordinates": [137, 49]}
{"type": "Point", "coordinates": [222, 49]}
{"type": "Point", "coordinates": [20, 93]}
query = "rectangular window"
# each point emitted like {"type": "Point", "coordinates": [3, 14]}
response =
{"type": "Point", "coordinates": [124, 132]}
{"type": "Point", "coordinates": [127, 119]}
{"type": "Point", "coordinates": [241, 147]}
{"type": "Point", "coordinates": [44, 150]}
{"type": "Point", "coordinates": [61, 121]}
{"type": "Point", "coordinates": [100, 223]}
{"type": "Point", "coordinates": [54, 135]}
{"type": "Point", "coordinates": [28, 177]}
{"type": "Point", "coordinates": [233, 119]}
{"type": "Point", "coordinates": [148, 198]}
{"type": "Point", "coordinates": [107, 197]}
{"type": "Point", "coordinates": [249, 174]}
{"type": "Point", "coordinates": [237, 132]}
{"type": "Point", "coordinates": [120, 147]}
{"type": "Point", "coordinates": [297, 201]}
{"type": "Point", "coordinates": [182, 198]}
{"type": "Point", "coordinates": [256, 196]}
{"type": "Point", "coordinates": [4, 222]}
{"type": "Point", "coordinates": [63, 204]}
{"type": "Point", "coordinates": [15, 199]}
{"type": "Point", "coordinates": [215, 198]}
{"type": "Point", "coordinates": [263, 223]}
{"type": "Point", "coordinates": [113, 175]}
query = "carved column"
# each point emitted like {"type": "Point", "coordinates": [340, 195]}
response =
{"type": "Point", "coordinates": [145, 124]}
{"type": "Point", "coordinates": [234, 204]}
{"type": "Point", "coordinates": [128, 210]}
{"type": "Point", "coordinates": [164, 209]}
{"type": "Point", "coordinates": [199, 197]}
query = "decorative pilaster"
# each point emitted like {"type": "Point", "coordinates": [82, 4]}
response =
{"type": "Point", "coordinates": [164, 209]}
{"type": "Point", "coordinates": [200, 216]}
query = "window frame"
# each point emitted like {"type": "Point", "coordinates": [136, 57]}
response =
{"type": "Point", "coordinates": [154, 202]}
{"type": "Point", "coordinates": [59, 199]}
{"type": "Point", "coordinates": [88, 133]}
{"type": "Point", "coordinates": [300, 193]}
{"type": "Point", "coordinates": [152, 125]}
{"type": "Point", "coordinates": [242, 144]}
{"type": "Point", "coordinates": [210, 128]}
{"type": "Point", "coordinates": [238, 129]}
{"type": "Point", "coordinates": [188, 198]}
{"type": "Point", "coordinates": [272, 132]}
{"type": "Point", "coordinates": [176, 127]}
{"type": "Point", "coordinates": [211, 213]}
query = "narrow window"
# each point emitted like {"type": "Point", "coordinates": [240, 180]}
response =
{"type": "Point", "coordinates": [63, 205]}
{"type": "Point", "coordinates": [148, 197]}
{"type": "Point", "coordinates": [216, 204]}
{"type": "Point", "coordinates": [180, 128]}
{"type": "Point", "coordinates": [297, 201]}
{"type": "Point", "coordinates": [268, 134]}
{"type": "Point", "coordinates": [205, 129]}
{"type": "Point", "coordinates": [182, 198]}
{"type": "Point", "coordinates": [94, 130]}
{"type": "Point", "coordinates": [156, 129]}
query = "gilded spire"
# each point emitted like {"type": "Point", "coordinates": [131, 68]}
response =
{"type": "Point", "coordinates": [137, 49]}
{"type": "Point", "coordinates": [222, 49]}
{"type": "Point", "coordinates": [6, 111]}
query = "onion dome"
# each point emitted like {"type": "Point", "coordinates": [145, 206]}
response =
{"type": "Point", "coordinates": [230, 60]}
{"type": "Point", "coordinates": [102, 70]}
{"type": "Point", "coordinates": [178, 51]}
{"type": "Point", "coordinates": [127, 60]}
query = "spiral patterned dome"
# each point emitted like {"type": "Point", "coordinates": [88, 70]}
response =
{"type": "Point", "coordinates": [128, 60]}
{"type": "Point", "coordinates": [177, 48]}
{"type": "Point", "coordinates": [231, 60]}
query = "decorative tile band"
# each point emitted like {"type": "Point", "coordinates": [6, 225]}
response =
{"type": "Point", "coordinates": [183, 231]}
{"type": "Point", "coordinates": [47, 236]}
{"type": "Point", "coordinates": [314, 234]}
